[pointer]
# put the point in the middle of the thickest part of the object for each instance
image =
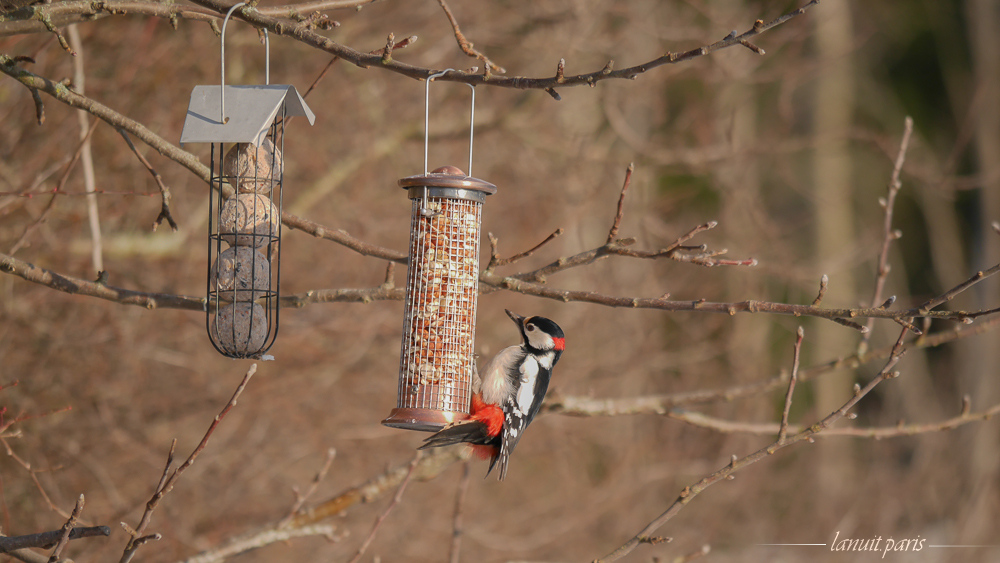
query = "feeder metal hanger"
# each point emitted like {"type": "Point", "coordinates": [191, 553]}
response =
{"type": "Point", "coordinates": [208, 122]}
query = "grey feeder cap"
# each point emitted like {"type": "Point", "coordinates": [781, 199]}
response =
{"type": "Point", "coordinates": [250, 111]}
{"type": "Point", "coordinates": [450, 182]}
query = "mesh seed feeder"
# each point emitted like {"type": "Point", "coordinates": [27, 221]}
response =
{"type": "Point", "coordinates": [437, 360]}
{"type": "Point", "coordinates": [245, 126]}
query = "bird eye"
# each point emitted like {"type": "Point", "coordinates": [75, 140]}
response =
{"type": "Point", "coordinates": [529, 328]}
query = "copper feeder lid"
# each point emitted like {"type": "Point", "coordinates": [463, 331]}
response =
{"type": "Point", "coordinates": [447, 181]}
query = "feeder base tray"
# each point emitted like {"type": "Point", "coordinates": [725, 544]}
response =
{"type": "Point", "coordinates": [427, 420]}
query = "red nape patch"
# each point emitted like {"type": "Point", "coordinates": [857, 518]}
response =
{"type": "Point", "coordinates": [484, 453]}
{"type": "Point", "coordinates": [559, 343]}
{"type": "Point", "coordinates": [491, 416]}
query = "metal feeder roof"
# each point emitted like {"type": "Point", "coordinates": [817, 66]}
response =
{"type": "Point", "coordinates": [250, 111]}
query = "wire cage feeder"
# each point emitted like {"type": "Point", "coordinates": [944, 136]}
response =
{"type": "Point", "coordinates": [437, 359]}
{"type": "Point", "coordinates": [246, 128]}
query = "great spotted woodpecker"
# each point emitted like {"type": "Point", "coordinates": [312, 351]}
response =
{"type": "Point", "coordinates": [512, 387]}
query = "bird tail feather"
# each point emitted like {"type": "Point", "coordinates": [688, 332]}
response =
{"type": "Point", "coordinates": [474, 432]}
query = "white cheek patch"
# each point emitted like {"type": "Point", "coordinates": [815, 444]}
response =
{"type": "Point", "coordinates": [540, 341]}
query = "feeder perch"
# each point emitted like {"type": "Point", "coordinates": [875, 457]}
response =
{"type": "Point", "coordinates": [245, 126]}
{"type": "Point", "coordinates": [437, 359]}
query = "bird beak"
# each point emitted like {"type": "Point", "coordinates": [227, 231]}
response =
{"type": "Point", "coordinates": [518, 319]}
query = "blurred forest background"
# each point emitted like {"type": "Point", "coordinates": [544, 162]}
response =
{"type": "Point", "coordinates": [789, 152]}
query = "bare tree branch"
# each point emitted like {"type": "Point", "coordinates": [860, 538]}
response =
{"type": "Point", "coordinates": [301, 33]}
{"type": "Point", "coordinates": [429, 466]}
{"type": "Point", "coordinates": [168, 478]}
{"type": "Point", "coordinates": [385, 513]}
{"type": "Point", "coordinates": [664, 404]}
{"type": "Point", "coordinates": [301, 498]}
{"type": "Point", "coordinates": [515, 284]}
{"type": "Point", "coordinates": [32, 19]}
{"type": "Point", "coordinates": [689, 493]}
{"type": "Point", "coordinates": [46, 540]}
{"type": "Point", "coordinates": [257, 540]}
{"type": "Point", "coordinates": [69, 284]}
{"type": "Point", "coordinates": [876, 432]}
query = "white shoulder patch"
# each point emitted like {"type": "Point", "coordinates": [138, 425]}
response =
{"type": "Point", "coordinates": [526, 391]}
{"type": "Point", "coordinates": [529, 369]}
{"type": "Point", "coordinates": [546, 360]}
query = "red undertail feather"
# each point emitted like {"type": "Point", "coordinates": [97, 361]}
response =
{"type": "Point", "coordinates": [485, 453]}
{"type": "Point", "coordinates": [485, 424]}
{"type": "Point", "coordinates": [491, 416]}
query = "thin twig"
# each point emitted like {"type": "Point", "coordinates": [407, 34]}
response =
{"type": "Point", "coordinates": [39, 106]}
{"type": "Point", "coordinates": [390, 272]}
{"type": "Point", "coordinates": [301, 498]}
{"type": "Point", "coordinates": [613, 233]}
{"type": "Point", "coordinates": [955, 291]}
{"type": "Point", "coordinates": [466, 46]}
{"type": "Point", "coordinates": [496, 261]}
{"type": "Point", "coordinates": [455, 553]}
{"type": "Point", "coordinates": [392, 504]}
{"type": "Point", "coordinates": [168, 478]}
{"type": "Point", "coordinates": [164, 190]}
{"type": "Point", "coordinates": [60, 184]}
{"type": "Point", "coordinates": [823, 283]}
{"type": "Point", "coordinates": [888, 233]}
{"type": "Point", "coordinates": [783, 430]}
{"type": "Point", "coordinates": [33, 473]}
{"type": "Point", "coordinates": [387, 50]}
{"type": "Point", "coordinates": [66, 529]}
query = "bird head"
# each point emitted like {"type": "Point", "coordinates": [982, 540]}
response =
{"type": "Point", "coordinates": [539, 333]}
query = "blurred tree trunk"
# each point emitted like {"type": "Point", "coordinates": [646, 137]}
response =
{"type": "Point", "coordinates": [737, 178]}
{"type": "Point", "coordinates": [981, 355]}
{"type": "Point", "coordinates": [835, 230]}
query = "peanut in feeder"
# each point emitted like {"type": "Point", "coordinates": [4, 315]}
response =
{"type": "Point", "coordinates": [437, 359]}
{"type": "Point", "coordinates": [246, 128]}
